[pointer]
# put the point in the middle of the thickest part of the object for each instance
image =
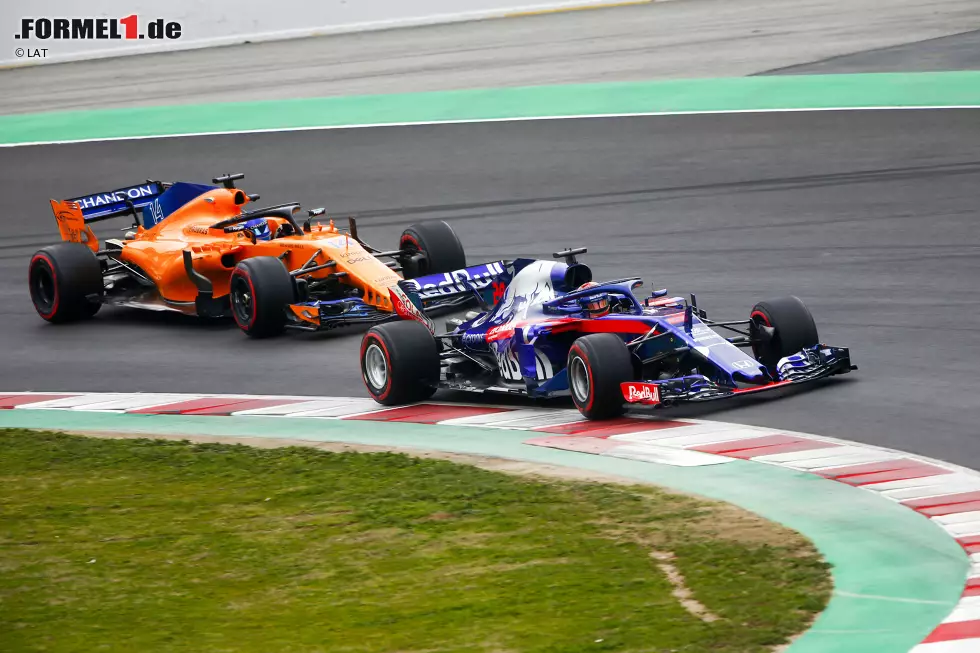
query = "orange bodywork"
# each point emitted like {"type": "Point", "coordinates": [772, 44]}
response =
{"type": "Point", "coordinates": [158, 252]}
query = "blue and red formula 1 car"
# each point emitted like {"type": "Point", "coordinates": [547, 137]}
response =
{"type": "Point", "coordinates": [552, 331]}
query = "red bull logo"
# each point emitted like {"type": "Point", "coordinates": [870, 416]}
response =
{"type": "Point", "coordinates": [641, 393]}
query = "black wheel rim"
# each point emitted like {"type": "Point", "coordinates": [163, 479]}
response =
{"type": "Point", "coordinates": [43, 289]}
{"type": "Point", "coordinates": [416, 267]}
{"type": "Point", "coordinates": [242, 302]}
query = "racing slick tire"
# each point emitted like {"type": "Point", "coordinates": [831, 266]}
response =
{"type": "Point", "coordinates": [597, 365]}
{"type": "Point", "coordinates": [260, 290]}
{"type": "Point", "coordinates": [66, 282]}
{"type": "Point", "coordinates": [399, 363]}
{"type": "Point", "coordinates": [439, 246]}
{"type": "Point", "coordinates": [793, 328]}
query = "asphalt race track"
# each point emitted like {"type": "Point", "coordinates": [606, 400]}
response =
{"type": "Point", "coordinates": [869, 216]}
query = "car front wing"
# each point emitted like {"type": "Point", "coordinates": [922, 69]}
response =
{"type": "Point", "coordinates": [810, 364]}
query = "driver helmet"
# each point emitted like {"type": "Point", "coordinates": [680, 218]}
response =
{"type": "Point", "coordinates": [595, 305]}
{"type": "Point", "coordinates": [259, 227]}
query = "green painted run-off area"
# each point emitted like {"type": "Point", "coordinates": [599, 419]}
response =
{"type": "Point", "coordinates": [689, 95]}
{"type": "Point", "coordinates": [896, 575]}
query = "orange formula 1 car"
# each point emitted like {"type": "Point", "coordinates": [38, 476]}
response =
{"type": "Point", "coordinates": [198, 250]}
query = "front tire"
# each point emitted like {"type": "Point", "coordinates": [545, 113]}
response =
{"type": "Point", "coordinates": [431, 247]}
{"type": "Point", "coordinates": [793, 329]}
{"type": "Point", "coordinates": [597, 365]}
{"type": "Point", "coordinates": [260, 290]}
{"type": "Point", "coordinates": [66, 283]}
{"type": "Point", "coordinates": [399, 363]}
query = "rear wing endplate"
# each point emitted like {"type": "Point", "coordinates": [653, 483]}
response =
{"type": "Point", "coordinates": [71, 224]}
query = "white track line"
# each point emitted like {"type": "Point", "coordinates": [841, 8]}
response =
{"type": "Point", "coordinates": [298, 409]}
{"type": "Point", "coordinates": [952, 646]}
{"type": "Point", "coordinates": [652, 453]}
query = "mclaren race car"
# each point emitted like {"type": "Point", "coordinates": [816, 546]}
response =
{"type": "Point", "coordinates": [551, 331]}
{"type": "Point", "coordinates": [200, 250]}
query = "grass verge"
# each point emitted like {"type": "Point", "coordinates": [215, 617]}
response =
{"type": "Point", "coordinates": [150, 545]}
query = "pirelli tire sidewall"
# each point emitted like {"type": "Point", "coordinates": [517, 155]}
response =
{"type": "Point", "coordinates": [399, 363]}
{"type": "Point", "coordinates": [597, 366]}
{"type": "Point", "coordinates": [65, 282]}
{"type": "Point", "coordinates": [439, 245]}
{"type": "Point", "coordinates": [261, 290]}
{"type": "Point", "coordinates": [793, 329]}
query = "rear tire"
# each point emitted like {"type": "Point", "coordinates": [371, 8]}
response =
{"type": "Point", "coordinates": [793, 325]}
{"type": "Point", "coordinates": [399, 363]}
{"type": "Point", "coordinates": [439, 246]}
{"type": "Point", "coordinates": [597, 365]}
{"type": "Point", "coordinates": [65, 281]}
{"type": "Point", "coordinates": [260, 291]}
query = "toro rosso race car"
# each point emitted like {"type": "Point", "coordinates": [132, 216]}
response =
{"type": "Point", "coordinates": [552, 331]}
{"type": "Point", "coordinates": [198, 249]}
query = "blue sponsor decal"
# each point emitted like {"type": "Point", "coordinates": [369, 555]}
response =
{"type": "Point", "coordinates": [477, 340]}
{"type": "Point", "coordinates": [103, 203]}
{"type": "Point", "coordinates": [465, 280]}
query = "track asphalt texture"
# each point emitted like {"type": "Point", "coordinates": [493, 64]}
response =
{"type": "Point", "coordinates": [954, 52]}
{"type": "Point", "coordinates": [869, 216]}
{"type": "Point", "coordinates": [659, 40]}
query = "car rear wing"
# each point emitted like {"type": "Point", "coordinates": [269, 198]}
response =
{"type": "Point", "coordinates": [75, 214]}
{"type": "Point", "coordinates": [485, 283]}
{"type": "Point", "coordinates": [124, 201]}
{"type": "Point", "coordinates": [415, 299]}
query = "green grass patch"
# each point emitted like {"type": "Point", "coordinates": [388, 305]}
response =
{"type": "Point", "coordinates": [151, 545]}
